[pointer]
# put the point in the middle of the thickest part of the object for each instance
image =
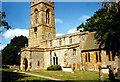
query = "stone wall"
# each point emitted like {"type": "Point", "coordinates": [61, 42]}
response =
{"type": "Point", "coordinates": [94, 64]}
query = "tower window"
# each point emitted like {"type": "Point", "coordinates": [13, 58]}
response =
{"type": "Point", "coordinates": [36, 16]}
{"type": "Point", "coordinates": [47, 16]}
{"type": "Point", "coordinates": [35, 29]}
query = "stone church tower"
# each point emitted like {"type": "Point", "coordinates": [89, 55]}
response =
{"type": "Point", "coordinates": [42, 22]}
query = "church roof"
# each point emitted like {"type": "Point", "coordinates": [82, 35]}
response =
{"type": "Point", "coordinates": [91, 43]}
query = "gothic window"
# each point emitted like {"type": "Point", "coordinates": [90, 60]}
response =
{"type": "Point", "coordinates": [36, 16]}
{"type": "Point", "coordinates": [96, 57]}
{"type": "Point", "coordinates": [100, 56]}
{"type": "Point", "coordinates": [86, 57]}
{"type": "Point", "coordinates": [55, 60]}
{"type": "Point", "coordinates": [47, 16]}
{"type": "Point", "coordinates": [89, 57]}
{"type": "Point", "coordinates": [109, 57]}
{"type": "Point", "coordinates": [113, 56]}
{"type": "Point", "coordinates": [74, 52]}
{"type": "Point", "coordinates": [38, 63]}
{"type": "Point", "coordinates": [35, 29]}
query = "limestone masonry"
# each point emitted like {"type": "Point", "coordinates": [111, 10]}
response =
{"type": "Point", "coordinates": [77, 50]}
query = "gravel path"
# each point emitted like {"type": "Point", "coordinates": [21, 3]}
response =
{"type": "Point", "coordinates": [43, 76]}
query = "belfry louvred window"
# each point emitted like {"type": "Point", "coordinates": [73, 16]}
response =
{"type": "Point", "coordinates": [47, 16]}
{"type": "Point", "coordinates": [36, 16]}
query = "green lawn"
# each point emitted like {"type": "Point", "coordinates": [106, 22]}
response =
{"type": "Point", "coordinates": [10, 76]}
{"type": "Point", "coordinates": [77, 75]}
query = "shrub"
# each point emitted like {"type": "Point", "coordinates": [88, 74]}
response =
{"type": "Point", "coordinates": [54, 67]}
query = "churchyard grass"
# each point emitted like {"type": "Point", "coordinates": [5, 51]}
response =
{"type": "Point", "coordinates": [77, 75]}
{"type": "Point", "coordinates": [9, 76]}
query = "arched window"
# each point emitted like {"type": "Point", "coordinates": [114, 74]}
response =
{"type": "Point", "coordinates": [38, 63]}
{"type": "Point", "coordinates": [36, 16]}
{"type": "Point", "coordinates": [96, 57]}
{"type": "Point", "coordinates": [35, 30]}
{"type": "Point", "coordinates": [86, 57]}
{"type": "Point", "coordinates": [48, 16]}
{"type": "Point", "coordinates": [100, 56]}
{"type": "Point", "coordinates": [113, 56]}
{"type": "Point", "coordinates": [89, 57]}
{"type": "Point", "coordinates": [55, 59]}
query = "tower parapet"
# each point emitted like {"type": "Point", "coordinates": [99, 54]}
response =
{"type": "Point", "coordinates": [50, 2]}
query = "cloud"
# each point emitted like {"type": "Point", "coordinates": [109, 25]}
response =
{"type": "Point", "coordinates": [83, 18]}
{"type": "Point", "coordinates": [58, 21]}
{"type": "Point", "coordinates": [9, 34]}
{"type": "Point", "coordinates": [59, 34]}
{"type": "Point", "coordinates": [72, 31]}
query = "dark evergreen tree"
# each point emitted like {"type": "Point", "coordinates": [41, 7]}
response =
{"type": "Point", "coordinates": [11, 53]}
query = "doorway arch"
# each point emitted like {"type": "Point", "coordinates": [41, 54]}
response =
{"type": "Point", "coordinates": [26, 63]}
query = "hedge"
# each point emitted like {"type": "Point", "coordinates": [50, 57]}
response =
{"type": "Point", "coordinates": [54, 67]}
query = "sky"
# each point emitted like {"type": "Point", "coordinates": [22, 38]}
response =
{"type": "Point", "coordinates": [68, 15]}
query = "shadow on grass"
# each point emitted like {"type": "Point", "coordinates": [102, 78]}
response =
{"type": "Point", "coordinates": [8, 76]}
{"type": "Point", "coordinates": [13, 77]}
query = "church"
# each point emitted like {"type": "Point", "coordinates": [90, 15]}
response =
{"type": "Point", "coordinates": [79, 50]}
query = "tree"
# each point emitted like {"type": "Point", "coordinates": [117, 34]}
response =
{"type": "Point", "coordinates": [106, 25]}
{"type": "Point", "coordinates": [4, 23]}
{"type": "Point", "coordinates": [11, 53]}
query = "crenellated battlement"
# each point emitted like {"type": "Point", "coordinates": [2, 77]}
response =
{"type": "Point", "coordinates": [42, 0]}
{"type": "Point", "coordinates": [50, 2]}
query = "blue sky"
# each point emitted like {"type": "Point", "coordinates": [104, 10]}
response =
{"type": "Point", "coordinates": [68, 16]}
